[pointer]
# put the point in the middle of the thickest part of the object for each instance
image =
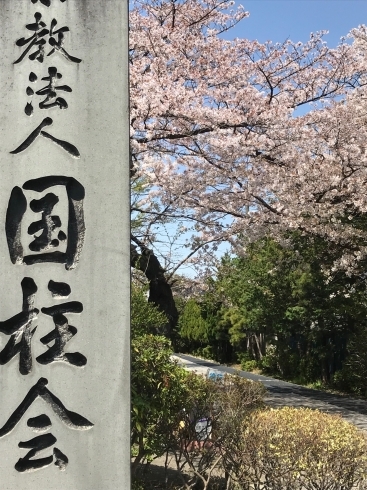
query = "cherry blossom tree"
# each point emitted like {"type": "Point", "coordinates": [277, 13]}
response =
{"type": "Point", "coordinates": [219, 142]}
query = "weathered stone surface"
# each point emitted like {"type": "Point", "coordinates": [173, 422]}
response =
{"type": "Point", "coordinates": [84, 154]}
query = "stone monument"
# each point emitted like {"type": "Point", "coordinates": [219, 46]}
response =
{"type": "Point", "coordinates": [64, 245]}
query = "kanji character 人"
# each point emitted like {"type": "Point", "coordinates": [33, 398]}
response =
{"type": "Point", "coordinates": [65, 145]}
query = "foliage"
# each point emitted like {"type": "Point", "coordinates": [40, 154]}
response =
{"type": "Point", "coordinates": [158, 394]}
{"type": "Point", "coordinates": [237, 398]}
{"type": "Point", "coordinates": [219, 150]}
{"type": "Point", "coordinates": [192, 325]}
{"type": "Point", "coordinates": [249, 365]}
{"type": "Point", "coordinates": [276, 308]}
{"type": "Point", "coordinates": [283, 311]}
{"type": "Point", "coordinates": [137, 485]}
{"type": "Point", "coordinates": [285, 449]}
{"type": "Point", "coordinates": [156, 382]}
{"type": "Point", "coordinates": [290, 449]}
{"type": "Point", "coordinates": [216, 141]}
{"type": "Point", "coordinates": [353, 375]}
{"type": "Point", "coordinates": [145, 317]}
{"type": "Point", "coordinates": [202, 331]}
{"type": "Point", "coordinates": [221, 407]}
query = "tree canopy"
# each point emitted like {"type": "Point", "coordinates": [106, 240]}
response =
{"type": "Point", "coordinates": [277, 309]}
{"type": "Point", "coordinates": [221, 148]}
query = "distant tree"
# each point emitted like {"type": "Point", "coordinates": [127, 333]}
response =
{"type": "Point", "coordinates": [193, 325]}
{"type": "Point", "coordinates": [202, 330]}
{"type": "Point", "coordinates": [279, 295]}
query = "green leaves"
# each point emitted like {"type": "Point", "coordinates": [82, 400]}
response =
{"type": "Point", "coordinates": [145, 317]}
{"type": "Point", "coordinates": [158, 395]}
{"type": "Point", "coordinates": [298, 449]}
{"type": "Point", "coordinates": [192, 324]}
{"type": "Point", "coordinates": [278, 297]}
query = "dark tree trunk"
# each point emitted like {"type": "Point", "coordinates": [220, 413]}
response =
{"type": "Point", "coordinates": [160, 292]}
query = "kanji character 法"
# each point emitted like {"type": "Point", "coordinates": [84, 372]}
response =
{"type": "Point", "coordinates": [50, 92]}
{"type": "Point", "coordinates": [47, 3]}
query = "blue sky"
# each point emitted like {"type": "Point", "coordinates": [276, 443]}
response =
{"type": "Point", "coordinates": [277, 20]}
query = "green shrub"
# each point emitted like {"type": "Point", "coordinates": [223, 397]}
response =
{"type": "Point", "coordinates": [158, 394]}
{"type": "Point", "coordinates": [269, 362]}
{"type": "Point", "coordinates": [309, 368]}
{"type": "Point", "coordinates": [204, 352]}
{"type": "Point", "coordinates": [137, 485]}
{"type": "Point", "coordinates": [243, 356]}
{"type": "Point", "coordinates": [346, 380]}
{"type": "Point", "coordinates": [249, 365]}
{"type": "Point", "coordinates": [224, 406]}
{"type": "Point", "coordinates": [294, 449]}
{"type": "Point", "coordinates": [353, 375]}
{"type": "Point", "coordinates": [145, 317]}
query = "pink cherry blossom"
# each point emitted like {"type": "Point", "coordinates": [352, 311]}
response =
{"type": "Point", "coordinates": [215, 140]}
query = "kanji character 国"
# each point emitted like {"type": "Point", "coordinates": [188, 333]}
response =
{"type": "Point", "coordinates": [45, 245]}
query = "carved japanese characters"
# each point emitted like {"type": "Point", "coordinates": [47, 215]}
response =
{"type": "Point", "coordinates": [34, 47]}
{"type": "Point", "coordinates": [44, 225]}
{"type": "Point", "coordinates": [52, 235]}
{"type": "Point", "coordinates": [42, 423]}
{"type": "Point", "coordinates": [21, 328]}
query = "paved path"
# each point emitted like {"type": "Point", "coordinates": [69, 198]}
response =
{"type": "Point", "coordinates": [281, 393]}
